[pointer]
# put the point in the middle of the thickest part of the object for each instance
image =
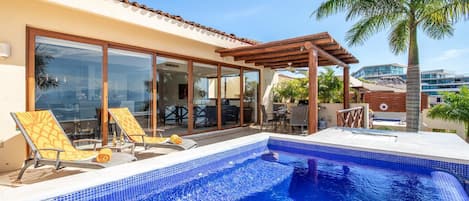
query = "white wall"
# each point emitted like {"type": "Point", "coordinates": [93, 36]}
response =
{"type": "Point", "coordinates": [12, 99]}
{"type": "Point", "coordinates": [69, 18]}
{"type": "Point", "coordinates": [270, 78]}
{"type": "Point", "coordinates": [429, 124]}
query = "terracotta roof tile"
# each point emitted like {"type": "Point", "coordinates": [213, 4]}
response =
{"type": "Point", "coordinates": [179, 18]}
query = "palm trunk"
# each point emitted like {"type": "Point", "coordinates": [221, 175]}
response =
{"type": "Point", "coordinates": [413, 81]}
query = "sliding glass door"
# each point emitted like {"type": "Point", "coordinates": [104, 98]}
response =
{"type": "Point", "coordinates": [205, 97]}
{"type": "Point", "coordinates": [173, 111]}
{"type": "Point", "coordinates": [130, 83]}
{"type": "Point", "coordinates": [70, 73]}
{"type": "Point", "coordinates": [250, 95]}
{"type": "Point", "coordinates": [230, 97]}
{"type": "Point", "coordinates": [68, 80]}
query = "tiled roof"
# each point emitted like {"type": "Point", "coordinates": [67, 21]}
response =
{"type": "Point", "coordinates": [179, 18]}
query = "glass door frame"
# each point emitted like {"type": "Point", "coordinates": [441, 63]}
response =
{"type": "Point", "coordinates": [32, 32]}
{"type": "Point", "coordinates": [258, 111]}
{"type": "Point", "coordinates": [153, 102]}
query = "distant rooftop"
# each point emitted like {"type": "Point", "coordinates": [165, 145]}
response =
{"type": "Point", "coordinates": [391, 64]}
{"type": "Point", "coordinates": [373, 86]}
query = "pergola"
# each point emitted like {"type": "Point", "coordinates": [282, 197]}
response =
{"type": "Point", "coordinates": [309, 51]}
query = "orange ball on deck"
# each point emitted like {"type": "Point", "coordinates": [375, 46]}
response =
{"type": "Point", "coordinates": [175, 139]}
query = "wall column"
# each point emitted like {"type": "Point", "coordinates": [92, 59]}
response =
{"type": "Point", "coordinates": [346, 80]}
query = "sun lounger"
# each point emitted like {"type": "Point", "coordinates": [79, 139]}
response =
{"type": "Point", "coordinates": [51, 146]}
{"type": "Point", "coordinates": [134, 132]}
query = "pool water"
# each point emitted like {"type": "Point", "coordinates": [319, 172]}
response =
{"type": "Point", "coordinates": [279, 175]}
{"type": "Point", "coordinates": [275, 169]}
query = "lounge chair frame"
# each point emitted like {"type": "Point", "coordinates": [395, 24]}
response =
{"type": "Point", "coordinates": [35, 158]}
{"type": "Point", "coordinates": [186, 144]}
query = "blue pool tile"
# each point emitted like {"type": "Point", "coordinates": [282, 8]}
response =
{"type": "Point", "coordinates": [160, 180]}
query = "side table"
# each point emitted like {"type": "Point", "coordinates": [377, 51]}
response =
{"type": "Point", "coordinates": [120, 147]}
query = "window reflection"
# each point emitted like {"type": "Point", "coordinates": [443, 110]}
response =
{"type": "Point", "coordinates": [130, 83]}
{"type": "Point", "coordinates": [68, 82]}
{"type": "Point", "coordinates": [230, 95]}
{"type": "Point", "coordinates": [251, 87]}
{"type": "Point", "coordinates": [172, 95]}
{"type": "Point", "coordinates": [205, 97]}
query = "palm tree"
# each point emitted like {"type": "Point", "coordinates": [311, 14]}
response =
{"type": "Point", "coordinates": [329, 87]}
{"type": "Point", "coordinates": [44, 81]}
{"type": "Point", "coordinates": [404, 18]}
{"type": "Point", "coordinates": [455, 108]}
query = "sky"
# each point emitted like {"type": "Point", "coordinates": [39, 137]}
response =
{"type": "Point", "coordinates": [270, 20]}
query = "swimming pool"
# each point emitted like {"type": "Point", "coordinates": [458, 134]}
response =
{"type": "Point", "coordinates": [276, 168]}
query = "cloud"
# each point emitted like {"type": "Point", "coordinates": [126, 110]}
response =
{"type": "Point", "coordinates": [452, 54]}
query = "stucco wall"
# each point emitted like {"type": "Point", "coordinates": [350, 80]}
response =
{"type": "Point", "coordinates": [429, 124]}
{"type": "Point", "coordinates": [17, 15]}
{"type": "Point", "coordinates": [12, 98]}
{"type": "Point", "coordinates": [269, 78]}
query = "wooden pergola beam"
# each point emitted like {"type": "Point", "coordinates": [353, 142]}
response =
{"type": "Point", "coordinates": [322, 53]}
{"type": "Point", "coordinates": [269, 55]}
{"type": "Point", "coordinates": [286, 62]}
{"type": "Point", "coordinates": [338, 52]}
{"type": "Point", "coordinates": [342, 56]}
{"type": "Point", "coordinates": [322, 38]}
{"type": "Point", "coordinates": [296, 61]}
{"type": "Point", "coordinates": [320, 63]}
{"type": "Point", "coordinates": [331, 47]}
{"type": "Point", "coordinates": [264, 50]}
{"type": "Point", "coordinates": [286, 58]}
{"type": "Point", "coordinates": [291, 49]}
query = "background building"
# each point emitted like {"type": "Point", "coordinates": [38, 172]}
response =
{"type": "Point", "coordinates": [437, 81]}
{"type": "Point", "coordinates": [433, 81]}
{"type": "Point", "coordinates": [375, 72]}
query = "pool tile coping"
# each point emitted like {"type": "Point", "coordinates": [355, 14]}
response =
{"type": "Point", "coordinates": [48, 189]}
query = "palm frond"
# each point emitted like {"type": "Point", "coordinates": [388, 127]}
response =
{"type": "Point", "coordinates": [399, 37]}
{"type": "Point", "coordinates": [456, 10]}
{"type": "Point", "coordinates": [433, 21]}
{"type": "Point", "coordinates": [451, 10]}
{"type": "Point", "coordinates": [331, 7]}
{"type": "Point", "coordinates": [368, 8]}
{"type": "Point", "coordinates": [366, 27]}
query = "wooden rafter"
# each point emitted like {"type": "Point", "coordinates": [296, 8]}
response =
{"type": "Point", "coordinates": [269, 55]}
{"type": "Point", "coordinates": [323, 53]}
{"type": "Point", "coordinates": [293, 46]}
{"type": "Point", "coordinates": [317, 36]}
{"type": "Point", "coordinates": [286, 58]}
{"type": "Point", "coordinates": [299, 65]}
{"type": "Point", "coordinates": [295, 51]}
{"type": "Point", "coordinates": [297, 61]}
{"type": "Point", "coordinates": [286, 62]}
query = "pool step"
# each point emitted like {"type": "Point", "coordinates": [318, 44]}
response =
{"type": "Point", "coordinates": [248, 178]}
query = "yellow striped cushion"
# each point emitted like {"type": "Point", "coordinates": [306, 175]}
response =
{"type": "Point", "coordinates": [44, 132]}
{"type": "Point", "coordinates": [129, 124]}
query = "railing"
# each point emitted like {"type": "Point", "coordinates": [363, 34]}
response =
{"type": "Point", "coordinates": [351, 118]}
